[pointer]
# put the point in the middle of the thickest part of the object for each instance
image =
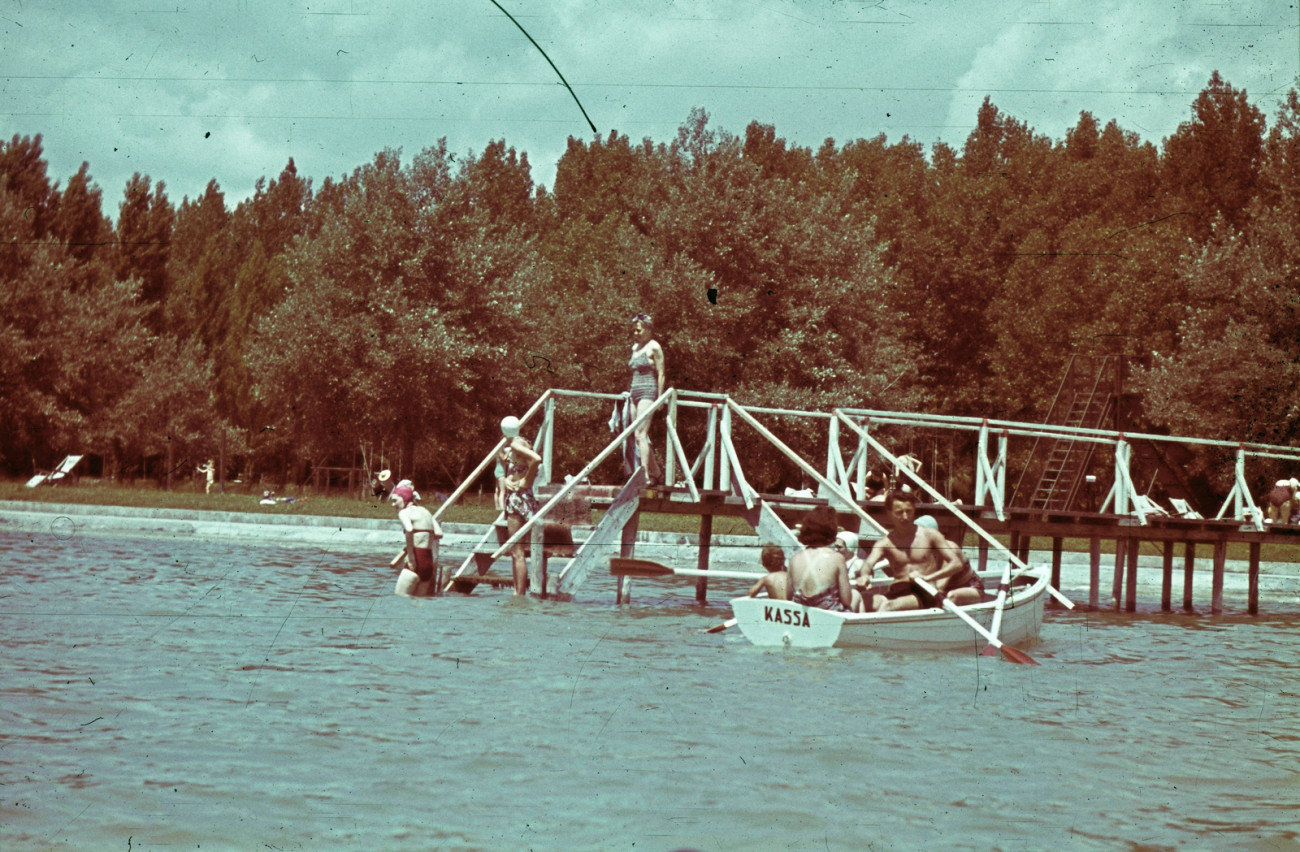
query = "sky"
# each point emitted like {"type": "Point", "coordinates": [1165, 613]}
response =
{"type": "Point", "coordinates": [186, 91]}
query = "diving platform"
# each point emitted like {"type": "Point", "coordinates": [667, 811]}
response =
{"type": "Point", "coordinates": [711, 482]}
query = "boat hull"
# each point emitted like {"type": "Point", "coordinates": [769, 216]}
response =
{"type": "Point", "coordinates": [783, 623]}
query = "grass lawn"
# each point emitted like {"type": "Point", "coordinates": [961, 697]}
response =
{"type": "Point", "coordinates": [478, 509]}
{"type": "Point", "coordinates": [469, 509]}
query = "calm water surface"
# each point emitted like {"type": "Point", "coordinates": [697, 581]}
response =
{"type": "Point", "coordinates": [160, 694]}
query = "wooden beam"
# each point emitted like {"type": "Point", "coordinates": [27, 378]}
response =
{"type": "Point", "coordinates": [1189, 564]}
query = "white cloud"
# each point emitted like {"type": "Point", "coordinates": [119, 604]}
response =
{"type": "Point", "coordinates": [331, 82]}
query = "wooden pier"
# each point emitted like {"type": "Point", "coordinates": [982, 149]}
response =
{"type": "Point", "coordinates": [714, 484]}
{"type": "Point", "coordinates": [1174, 537]}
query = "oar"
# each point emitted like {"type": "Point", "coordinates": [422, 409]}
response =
{"type": "Point", "coordinates": [1004, 589]}
{"type": "Point", "coordinates": [397, 558]}
{"type": "Point", "coordinates": [627, 567]}
{"type": "Point", "coordinates": [718, 628]}
{"type": "Point", "coordinates": [1013, 654]}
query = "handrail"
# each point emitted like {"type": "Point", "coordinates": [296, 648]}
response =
{"type": "Point", "coordinates": [576, 481]}
{"type": "Point", "coordinates": [491, 457]}
{"type": "Point", "coordinates": [952, 507]}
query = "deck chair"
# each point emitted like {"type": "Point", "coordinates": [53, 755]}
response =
{"type": "Point", "coordinates": [1184, 509]}
{"type": "Point", "coordinates": [1148, 506]}
{"type": "Point", "coordinates": [57, 475]}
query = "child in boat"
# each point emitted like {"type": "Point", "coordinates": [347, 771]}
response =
{"type": "Point", "coordinates": [777, 582]}
{"type": "Point", "coordinates": [419, 575]}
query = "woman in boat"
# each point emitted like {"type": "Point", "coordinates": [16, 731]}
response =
{"type": "Point", "coordinates": [647, 366]}
{"type": "Point", "coordinates": [818, 575]}
{"type": "Point", "coordinates": [514, 495]}
{"type": "Point", "coordinates": [419, 575]}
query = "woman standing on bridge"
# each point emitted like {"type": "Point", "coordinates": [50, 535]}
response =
{"type": "Point", "coordinates": [647, 366]}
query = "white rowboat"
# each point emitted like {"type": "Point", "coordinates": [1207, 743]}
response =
{"type": "Point", "coordinates": [776, 623]}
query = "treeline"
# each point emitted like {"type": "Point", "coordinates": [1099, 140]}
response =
{"type": "Point", "coordinates": [412, 305]}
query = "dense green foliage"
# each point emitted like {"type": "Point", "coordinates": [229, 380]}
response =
{"type": "Point", "coordinates": [409, 305]}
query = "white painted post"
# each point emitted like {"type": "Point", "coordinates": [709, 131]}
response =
{"type": "Point", "coordinates": [711, 444]}
{"type": "Point", "coordinates": [1123, 500]}
{"type": "Point", "coordinates": [724, 464]}
{"type": "Point", "coordinates": [546, 437]}
{"type": "Point", "coordinates": [834, 462]}
{"type": "Point", "coordinates": [670, 454]}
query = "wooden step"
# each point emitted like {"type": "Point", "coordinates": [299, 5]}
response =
{"type": "Point", "coordinates": [466, 582]}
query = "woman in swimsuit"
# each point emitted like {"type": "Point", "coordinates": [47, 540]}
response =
{"type": "Point", "coordinates": [514, 495]}
{"type": "Point", "coordinates": [818, 576]}
{"type": "Point", "coordinates": [647, 366]}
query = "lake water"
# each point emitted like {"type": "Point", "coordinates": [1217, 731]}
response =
{"type": "Point", "coordinates": [161, 694]}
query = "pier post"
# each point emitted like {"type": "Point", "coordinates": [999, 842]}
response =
{"type": "Point", "coordinates": [1094, 571]}
{"type": "Point", "coordinates": [1216, 583]}
{"type": "Point", "coordinates": [1130, 586]}
{"type": "Point", "coordinates": [1189, 563]}
{"type": "Point", "coordinates": [1252, 605]}
{"type": "Point", "coordinates": [983, 555]}
{"type": "Point", "coordinates": [1117, 584]}
{"type": "Point", "coordinates": [1167, 572]}
{"type": "Point", "coordinates": [1057, 545]}
{"type": "Point", "coordinates": [706, 536]}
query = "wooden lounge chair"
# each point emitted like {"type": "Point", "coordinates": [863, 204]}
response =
{"type": "Point", "coordinates": [57, 475]}
{"type": "Point", "coordinates": [1183, 509]}
{"type": "Point", "coordinates": [1149, 507]}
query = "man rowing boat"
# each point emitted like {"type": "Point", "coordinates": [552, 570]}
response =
{"type": "Point", "coordinates": [921, 551]}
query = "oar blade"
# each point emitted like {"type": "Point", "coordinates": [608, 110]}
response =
{"type": "Point", "coordinates": [718, 628]}
{"type": "Point", "coordinates": [1015, 655]}
{"type": "Point", "coordinates": [628, 567]}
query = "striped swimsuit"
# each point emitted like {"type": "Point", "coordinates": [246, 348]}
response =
{"type": "Point", "coordinates": [644, 383]}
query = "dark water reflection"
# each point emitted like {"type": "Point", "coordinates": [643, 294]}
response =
{"type": "Point", "coordinates": [180, 694]}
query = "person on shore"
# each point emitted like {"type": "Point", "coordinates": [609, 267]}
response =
{"type": "Point", "coordinates": [211, 470]}
{"type": "Point", "coordinates": [647, 366]}
{"type": "Point", "coordinates": [1283, 500]}
{"type": "Point", "coordinates": [419, 575]}
{"type": "Point", "coordinates": [875, 487]}
{"type": "Point", "coordinates": [514, 494]}
{"type": "Point", "coordinates": [818, 575]}
{"type": "Point", "coordinates": [911, 550]}
{"type": "Point", "coordinates": [380, 484]}
{"type": "Point", "coordinates": [777, 582]}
